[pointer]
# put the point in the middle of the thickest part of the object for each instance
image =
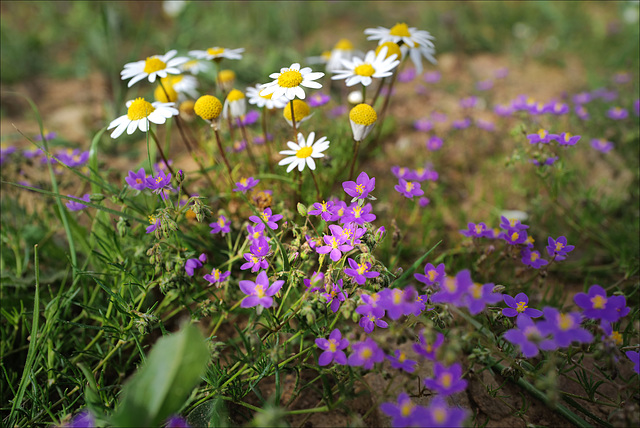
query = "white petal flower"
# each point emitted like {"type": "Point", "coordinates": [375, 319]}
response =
{"type": "Point", "coordinates": [152, 67]}
{"type": "Point", "coordinates": [254, 97]}
{"type": "Point", "coordinates": [218, 53]}
{"type": "Point", "coordinates": [289, 81]}
{"type": "Point", "coordinates": [139, 114]}
{"type": "Point", "coordinates": [303, 153]}
{"type": "Point", "coordinates": [363, 71]}
{"type": "Point", "coordinates": [400, 32]}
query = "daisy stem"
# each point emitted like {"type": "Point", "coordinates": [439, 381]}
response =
{"type": "Point", "coordinates": [377, 94]}
{"type": "Point", "coordinates": [299, 189]}
{"type": "Point", "coordinates": [166, 162]}
{"type": "Point", "coordinates": [293, 121]}
{"type": "Point", "coordinates": [224, 157]}
{"type": "Point", "coordinates": [353, 161]}
{"type": "Point", "coordinates": [318, 195]}
{"type": "Point", "coordinates": [243, 130]}
{"type": "Point", "coordinates": [266, 141]}
{"type": "Point", "coordinates": [385, 105]}
{"type": "Point", "coordinates": [364, 94]}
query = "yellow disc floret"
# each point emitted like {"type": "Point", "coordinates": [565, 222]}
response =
{"type": "Point", "coordinates": [215, 51]}
{"type": "Point", "coordinates": [344, 45]}
{"type": "Point", "coordinates": [208, 107]}
{"type": "Point", "coordinates": [235, 95]}
{"type": "Point", "coordinates": [364, 70]}
{"type": "Point", "coordinates": [225, 76]}
{"type": "Point", "coordinates": [400, 29]}
{"type": "Point", "coordinates": [392, 48]}
{"type": "Point", "coordinates": [166, 95]}
{"type": "Point", "coordinates": [290, 79]}
{"type": "Point", "coordinates": [300, 110]}
{"type": "Point", "coordinates": [304, 152]}
{"type": "Point", "coordinates": [139, 109]}
{"type": "Point", "coordinates": [153, 64]}
{"type": "Point", "coordinates": [363, 114]}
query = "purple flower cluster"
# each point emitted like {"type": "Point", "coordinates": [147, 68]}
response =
{"type": "Point", "coordinates": [192, 264]}
{"type": "Point", "coordinates": [360, 188]}
{"type": "Point", "coordinates": [256, 258]}
{"type": "Point", "coordinates": [404, 413]}
{"type": "Point", "coordinates": [259, 293]}
{"type": "Point", "coordinates": [77, 206]}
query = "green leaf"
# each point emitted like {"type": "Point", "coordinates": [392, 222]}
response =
{"type": "Point", "coordinates": [211, 413]}
{"type": "Point", "coordinates": [162, 385]}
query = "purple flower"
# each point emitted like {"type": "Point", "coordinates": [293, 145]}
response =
{"type": "Point", "coordinates": [431, 77]}
{"type": "Point", "coordinates": [158, 183]}
{"type": "Point", "coordinates": [333, 349]}
{"type": "Point", "coordinates": [318, 99]}
{"type": "Point", "coordinates": [501, 73]}
{"type": "Point", "coordinates": [423, 174]}
{"type": "Point", "coordinates": [432, 275]}
{"type": "Point", "coordinates": [514, 236]}
{"type": "Point", "coordinates": [154, 224]}
{"type": "Point", "coordinates": [193, 264]}
{"type": "Point", "coordinates": [485, 125]}
{"type": "Point", "coordinates": [529, 338]}
{"type": "Point", "coordinates": [256, 258]}
{"type": "Point", "coordinates": [360, 188]}
{"type": "Point", "coordinates": [313, 284]}
{"type": "Point", "coordinates": [77, 206]}
{"type": "Point", "coordinates": [137, 180]}
{"type": "Point", "coordinates": [335, 296]}
{"type": "Point", "coordinates": [537, 108]}
{"type": "Point", "coordinates": [503, 110]}
{"type": "Point", "coordinates": [484, 85]}
{"type": "Point", "coordinates": [452, 289]}
{"type": "Point", "coordinates": [400, 361]}
{"type": "Point", "coordinates": [596, 305]}
{"type": "Point", "coordinates": [398, 302]}
{"type": "Point", "coordinates": [248, 119]}
{"type": "Point", "coordinates": [84, 419]}
{"type": "Point", "coordinates": [338, 111]}
{"type": "Point", "coordinates": [409, 189]}
{"type": "Point", "coordinates": [437, 116]}
{"type": "Point", "coordinates": [582, 98]}
{"type": "Point", "coordinates": [446, 380]}
{"type": "Point", "coordinates": [542, 136]}
{"type": "Point", "coordinates": [335, 244]}
{"type": "Point", "coordinates": [617, 113]}
{"type": "Point", "coordinates": [259, 292]}
{"type": "Point", "coordinates": [581, 112]}
{"type": "Point", "coordinates": [602, 145]}
{"type": "Point", "coordinates": [565, 328]}
{"type": "Point", "coordinates": [532, 258]}
{"type": "Point", "coordinates": [423, 202]}
{"type": "Point", "coordinates": [634, 356]}
{"type": "Point", "coordinates": [268, 218]}
{"type": "Point", "coordinates": [511, 223]}
{"type": "Point", "coordinates": [480, 295]}
{"type": "Point", "coordinates": [245, 184]}
{"type": "Point", "coordinates": [556, 108]}
{"type": "Point", "coordinates": [621, 77]}
{"type": "Point", "coordinates": [216, 276]}
{"type": "Point", "coordinates": [407, 75]}
{"type": "Point", "coordinates": [469, 102]}
{"type": "Point", "coordinates": [259, 139]}
{"type": "Point", "coordinates": [404, 413]}
{"type": "Point", "coordinates": [548, 161]}
{"type": "Point", "coordinates": [479, 230]}
{"type": "Point", "coordinates": [365, 354]}
{"type": "Point", "coordinates": [176, 421]}
{"type": "Point", "coordinates": [221, 225]}
{"type": "Point", "coordinates": [518, 306]}
{"type": "Point", "coordinates": [371, 317]}
{"type": "Point", "coordinates": [434, 143]}
{"type": "Point", "coordinates": [461, 123]}
{"type": "Point", "coordinates": [439, 414]}
{"type": "Point", "coordinates": [352, 233]}
{"type": "Point", "coordinates": [558, 248]}
{"type": "Point", "coordinates": [338, 211]}
{"type": "Point", "coordinates": [323, 210]}
{"type": "Point", "coordinates": [426, 349]}
{"type": "Point", "coordinates": [48, 136]}
{"type": "Point", "coordinates": [565, 139]}
{"type": "Point", "coordinates": [423, 125]}
{"type": "Point", "coordinates": [358, 214]}
{"type": "Point", "coordinates": [400, 172]}
{"type": "Point", "coordinates": [360, 272]}
{"type": "Point", "coordinates": [255, 231]}
{"type": "Point", "coordinates": [73, 158]}
{"type": "Point", "coordinates": [162, 166]}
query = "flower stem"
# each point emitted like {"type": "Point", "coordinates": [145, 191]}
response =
{"type": "Point", "coordinates": [266, 140]}
{"type": "Point", "coordinates": [166, 162]}
{"type": "Point", "coordinates": [318, 195]}
{"type": "Point", "coordinates": [293, 121]}
{"type": "Point", "coordinates": [243, 130]}
{"type": "Point", "coordinates": [353, 161]}
{"type": "Point", "coordinates": [224, 157]}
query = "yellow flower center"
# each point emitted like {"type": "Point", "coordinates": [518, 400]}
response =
{"type": "Point", "coordinates": [476, 291]}
{"type": "Point", "coordinates": [300, 110]}
{"type": "Point", "coordinates": [450, 285]}
{"type": "Point", "coordinates": [565, 322]}
{"type": "Point", "coordinates": [402, 357]}
{"type": "Point", "coordinates": [235, 95]}
{"type": "Point", "coordinates": [397, 296]}
{"type": "Point", "coordinates": [344, 45]}
{"type": "Point", "coordinates": [515, 236]}
{"type": "Point", "coordinates": [534, 257]}
{"type": "Point", "coordinates": [409, 186]}
{"type": "Point", "coordinates": [406, 409]}
{"type": "Point", "coordinates": [160, 94]}
{"type": "Point", "coordinates": [304, 152]}
{"type": "Point", "coordinates": [440, 415]}
{"type": "Point", "coordinates": [333, 345]}
{"type": "Point", "coordinates": [392, 49]}
{"type": "Point", "coordinates": [567, 137]}
{"type": "Point", "coordinates": [290, 79]}
{"type": "Point", "coordinates": [153, 64]}
{"type": "Point", "coordinates": [360, 189]}
{"type": "Point", "coordinates": [432, 275]}
{"type": "Point", "coordinates": [445, 380]}
{"type": "Point", "coordinates": [138, 181]}
{"type": "Point", "coordinates": [216, 274]}
{"type": "Point", "coordinates": [366, 353]}
{"type": "Point", "coordinates": [190, 64]}
{"type": "Point", "coordinates": [139, 109]}
{"type": "Point", "coordinates": [356, 212]}
{"type": "Point", "coordinates": [521, 306]}
{"type": "Point", "coordinates": [364, 70]}
{"type": "Point", "coordinates": [220, 222]}
{"type": "Point", "coordinates": [363, 114]}
{"type": "Point", "coordinates": [479, 228]}
{"type": "Point", "coordinates": [362, 268]}
{"type": "Point", "coordinates": [265, 216]}
{"type": "Point", "coordinates": [617, 338]}
{"type": "Point", "coordinates": [259, 291]}
{"type": "Point", "coordinates": [598, 302]}
{"type": "Point", "coordinates": [542, 133]}
{"type": "Point", "coordinates": [401, 30]}
{"type": "Point", "coordinates": [215, 51]}
{"type": "Point", "coordinates": [208, 107]}
{"type": "Point", "coordinates": [225, 76]}
{"type": "Point", "coordinates": [243, 181]}
{"type": "Point", "coordinates": [559, 246]}
{"type": "Point", "coordinates": [152, 219]}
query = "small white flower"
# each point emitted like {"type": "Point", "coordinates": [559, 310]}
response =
{"type": "Point", "coordinates": [196, 66]}
{"type": "Point", "coordinates": [235, 105]}
{"type": "Point", "coordinates": [218, 53]}
{"type": "Point", "coordinates": [304, 152]}
{"type": "Point", "coordinates": [254, 97]}
{"type": "Point", "coordinates": [139, 114]}
{"type": "Point", "coordinates": [363, 71]}
{"type": "Point", "coordinates": [400, 32]}
{"type": "Point", "coordinates": [182, 84]}
{"type": "Point", "coordinates": [417, 53]}
{"type": "Point", "coordinates": [289, 81]}
{"type": "Point", "coordinates": [152, 67]}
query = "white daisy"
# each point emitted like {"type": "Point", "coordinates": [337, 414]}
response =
{"type": "Point", "coordinates": [362, 71]}
{"type": "Point", "coordinates": [139, 114]}
{"type": "Point", "coordinates": [235, 105]}
{"type": "Point", "coordinates": [417, 53]}
{"type": "Point", "coordinates": [182, 84]}
{"type": "Point", "coordinates": [218, 53]}
{"type": "Point", "coordinates": [152, 67]}
{"type": "Point", "coordinates": [303, 153]}
{"type": "Point", "coordinates": [196, 66]}
{"type": "Point", "coordinates": [289, 80]}
{"type": "Point", "coordinates": [254, 97]}
{"type": "Point", "coordinates": [400, 32]}
{"type": "Point", "coordinates": [362, 118]}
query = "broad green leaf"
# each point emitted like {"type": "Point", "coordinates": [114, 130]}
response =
{"type": "Point", "coordinates": [163, 384]}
